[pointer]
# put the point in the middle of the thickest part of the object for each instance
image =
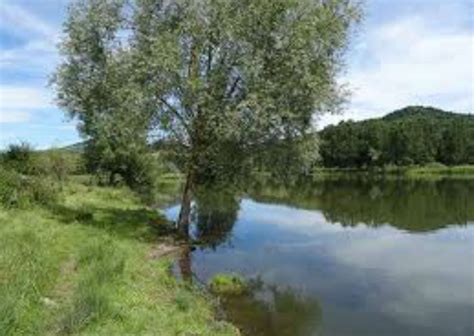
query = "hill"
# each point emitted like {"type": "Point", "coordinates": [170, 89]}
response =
{"type": "Point", "coordinates": [78, 147]}
{"type": "Point", "coordinates": [412, 135]}
{"type": "Point", "coordinates": [423, 112]}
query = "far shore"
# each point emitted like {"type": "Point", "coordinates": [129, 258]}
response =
{"type": "Point", "coordinates": [415, 171]}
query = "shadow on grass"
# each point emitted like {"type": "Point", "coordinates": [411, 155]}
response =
{"type": "Point", "coordinates": [141, 224]}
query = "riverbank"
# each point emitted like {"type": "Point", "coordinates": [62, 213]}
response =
{"type": "Point", "coordinates": [95, 263]}
{"type": "Point", "coordinates": [428, 171]}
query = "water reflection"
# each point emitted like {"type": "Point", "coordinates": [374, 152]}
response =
{"type": "Point", "coordinates": [214, 215]}
{"type": "Point", "coordinates": [268, 310]}
{"type": "Point", "coordinates": [413, 205]}
{"type": "Point", "coordinates": [342, 249]}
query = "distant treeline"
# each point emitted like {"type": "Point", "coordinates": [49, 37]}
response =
{"type": "Point", "coordinates": [413, 135]}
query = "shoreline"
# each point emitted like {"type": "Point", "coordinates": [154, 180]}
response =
{"type": "Point", "coordinates": [101, 266]}
{"type": "Point", "coordinates": [427, 171]}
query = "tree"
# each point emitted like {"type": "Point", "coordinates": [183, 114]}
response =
{"type": "Point", "coordinates": [412, 135]}
{"type": "Point", "coordinates": [93, 84]}
{"type": "Point", "coordinates": [219, 76]}
{"type": "Point", "coordinates": [455, 142]}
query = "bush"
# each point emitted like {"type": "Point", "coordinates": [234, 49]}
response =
{"type": "Point", "coordinates": [130, 164]}
{"type": "Point", "coordinates": [19, 157]}
{"type": "Point", "coordinates": [435, 165]}
{"type": "Point", "coordinates": [57, 164]}
{"type": "Point", "coordinates": [19, 191]}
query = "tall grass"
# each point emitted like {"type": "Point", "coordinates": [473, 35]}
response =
{"type": "Point", "coordinates": [26, 271]}
{"type": "Point", "coordinates": [85, 267]}
{"type": "Point", "coordinates": [101, 263]}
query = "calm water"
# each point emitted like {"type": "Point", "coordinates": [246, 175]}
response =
{"type": "Point", "coordinates": [343, 257]}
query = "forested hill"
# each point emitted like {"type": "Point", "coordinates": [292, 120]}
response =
{"type": "Point", "coordinates": [424, 112]}
{"type": "Point", "coordinates": [412, 135]}
{"type": "Point", "coordinates": [78, 147]}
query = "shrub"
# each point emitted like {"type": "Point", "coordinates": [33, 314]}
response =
{"type": "Point", "coordinates": [435, 165]}
{"type": "Point", "coordinates": [57, 164]}
{"type": "Point", "coordinates": [19, 157]}
{"type": "Point", "coordinates": [19, 191]}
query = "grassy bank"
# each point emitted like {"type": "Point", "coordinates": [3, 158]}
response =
{"type": "Point", "coordinates": [429, 171]}
{"type": "Point", "coordinates": [91, 265]}
{"type": "Point", "coordinates": [465, 170]}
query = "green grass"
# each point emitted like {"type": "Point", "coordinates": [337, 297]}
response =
{"type": "Point", "coordinates": [457, 171]}
{"type": "Point", "coordinates": [85, 267]}
{"type": "Point", "coordinates": [427, 171]}
{"type": "Point", "coordinates": [227, 284]}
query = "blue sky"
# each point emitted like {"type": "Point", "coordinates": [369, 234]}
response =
{"type": "Point", "coordinates": [406, 52]}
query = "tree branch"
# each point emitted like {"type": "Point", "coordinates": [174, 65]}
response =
{"type": "Point", "coordinates": [209, 60]}
{"type": "Point", "coordinates": [234, 86]}
{"type": "Point", "coordinates": [177, 115]}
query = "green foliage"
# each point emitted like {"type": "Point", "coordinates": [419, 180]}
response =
{"type": "Point", "coordinates": [95, 85]}
{"type": "Point", "coordinates": [21, 191]}
{"type": "Point", "coordinates": [227, 284]}
{"type": "Point", "coordinates": [19, 157]}
{"type": "Point", "coordinates": [216, 78]}
{"type": "Point", "coordinates": [134, 165]}
{"type": "Point", "coordinates": [287, 157]}
{"type": "Point", "coordinates": [414, 135]}
{"type": "Point", "coordinates": [58, 164]}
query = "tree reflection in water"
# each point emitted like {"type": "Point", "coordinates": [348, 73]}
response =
{"type": "Point", "coordinates": [409, 205]}
{"type": "Point", "coordinates": [214, 215]}
{"type": "Point", "coordinates": [262, 309]}
{"type": "Point", "coordinates": [269, 310]}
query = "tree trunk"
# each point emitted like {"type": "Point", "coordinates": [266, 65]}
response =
{"type": "Point", "coordinates": [185, 211]}
{"type": "Point", "coordinates": [184, 263]}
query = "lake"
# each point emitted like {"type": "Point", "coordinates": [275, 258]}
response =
{"type": "Point", "coordinates": [341, 256]}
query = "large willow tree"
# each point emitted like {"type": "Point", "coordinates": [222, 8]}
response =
{"type": "Point", "coordinates": [218, 78]}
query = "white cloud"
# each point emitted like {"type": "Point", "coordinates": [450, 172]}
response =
{"type": "Point", "coordinates": [410, 62]}
{"type": "Point", "coordinates": [40, 54]}
{"type": "Point", "coordinates": [23, 97]}
{"type": "Point", "coordinates": [9, 116]}
{"type": "Point", "coordinates": [28, 55]}
{"type": "Point", "coordinates": [21, 22]}
{"type": "Point", "coordinates": [30, 61]}
{"type": "Point", "coordinates": [34, 54]}
{"type": "Point", "coordinates": [18, 103]}
{"type": "Point", "coordinates": [414, 61]}
{"type": "Point", "coordinates": [437, 279]}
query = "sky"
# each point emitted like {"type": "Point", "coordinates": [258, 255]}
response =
{"type": "Point", "coordinates": [405, 52]}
